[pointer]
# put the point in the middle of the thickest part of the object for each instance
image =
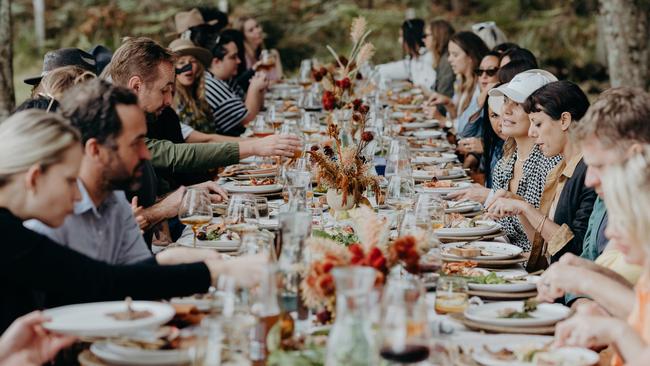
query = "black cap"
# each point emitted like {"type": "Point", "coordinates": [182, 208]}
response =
{"type": "Point", "coordinates": [64, 57]}
{"type": "Point", "coordinates": [102, 56]}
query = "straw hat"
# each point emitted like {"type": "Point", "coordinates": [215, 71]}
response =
{"type": "Point", "coordinates": [187, 19]}
{"type": "Point", "coordinates": [183, 47]}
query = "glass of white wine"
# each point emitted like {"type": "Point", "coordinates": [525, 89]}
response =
{"type": "Point", "coordinates": [196, 209]}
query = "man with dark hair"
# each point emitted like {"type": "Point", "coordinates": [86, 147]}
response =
{"type": "Point", "coordinates": [113, 131]}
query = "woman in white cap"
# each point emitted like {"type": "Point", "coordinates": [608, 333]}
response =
{"type": "Point", "coordinates": [560, 223]}
{"type": "Point", "coordinates": [523, 169]}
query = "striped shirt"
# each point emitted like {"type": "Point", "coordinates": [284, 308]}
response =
{"type": "Point", "coordinates": [228, 109]}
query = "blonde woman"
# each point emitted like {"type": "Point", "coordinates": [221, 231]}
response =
{"type": "Point", "coordinates": [60, 80]}
{"type": "Point", "coordinates": [40, 155]}
{"type": "Point", "coordinates": [189, 100]}
{"type": "Point", "coordinates": [627, 196]}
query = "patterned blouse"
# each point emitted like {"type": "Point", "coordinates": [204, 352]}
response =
{"type": "Point", "coordinates": [531, 186]}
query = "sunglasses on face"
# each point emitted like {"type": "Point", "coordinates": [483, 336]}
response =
{"type": "Point", "coordinates": [489, 72]}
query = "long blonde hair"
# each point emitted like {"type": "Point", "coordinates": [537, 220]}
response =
{"type": "Point", "coordinates": [193, 97]}
{"type": "Point", "coordinates": [33, 137]}
{"type": "Point", "coordinates": [626, 189]}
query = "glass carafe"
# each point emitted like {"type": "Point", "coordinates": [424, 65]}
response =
{"type": "Point", "coordinates": [351, 340]}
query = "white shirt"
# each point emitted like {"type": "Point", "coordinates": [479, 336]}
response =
{"type": "Point", "coordinates": [419, 70]}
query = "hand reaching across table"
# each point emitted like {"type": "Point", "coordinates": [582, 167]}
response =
{"type": "Point", "coordinates": [26, 343]}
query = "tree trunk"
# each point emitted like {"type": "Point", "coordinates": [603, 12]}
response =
{"type": "Point", "coordinates": [625, 27]}
{"type": "Point", "coordinates": [39, 23]}
{"type": "Point", "coordinates": [6, 65]}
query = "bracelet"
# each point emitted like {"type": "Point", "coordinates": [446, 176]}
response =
{"type": "Point", "coordinates": [541, 225]}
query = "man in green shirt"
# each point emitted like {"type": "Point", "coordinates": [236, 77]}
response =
{"type": "Point", "coordinates": [147, 68]}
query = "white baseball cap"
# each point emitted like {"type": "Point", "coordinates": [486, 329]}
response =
{"type": "Point", "coordinates": [523, 85]}
{"type": "Point", "coordinates": [496, 103]}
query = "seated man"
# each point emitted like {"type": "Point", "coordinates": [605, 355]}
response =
{"type": "Point", "coordinates": [230, 113]}
{"type": "Point", "coordinates": [112, 130]}
{"type": "Point", "coordinates": [613, 129]}
{"type": "Point", "coordinates": [147, 69]}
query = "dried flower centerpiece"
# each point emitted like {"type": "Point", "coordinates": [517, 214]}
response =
{"type": "Point", "coordinates": [373, 250]}
{"type": "Point", "coordinates": [338, 79]}
{"type": "Point", "coordinates": [344, 169]}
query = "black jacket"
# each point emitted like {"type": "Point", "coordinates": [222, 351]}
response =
{"type": "Point", "coordinates": [574, 208]}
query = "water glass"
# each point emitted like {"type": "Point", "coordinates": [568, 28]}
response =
{"type": "Point", "coordinates": [451, 295]}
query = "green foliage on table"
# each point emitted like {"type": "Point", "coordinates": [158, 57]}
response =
{"type": "Point", "coordinates": [311, 356]}
{"type": "Point", "coordinates": [340, 237]}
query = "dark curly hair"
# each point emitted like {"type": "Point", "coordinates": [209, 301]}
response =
{"type": "Point", "coordinates": [91, 108]}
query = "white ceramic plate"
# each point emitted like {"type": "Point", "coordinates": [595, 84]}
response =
{"type": "Point", "coordinates": [425, 134]}
{"type": "Point", "coordinates": [527, 284]}
{"type": "Point", "coordinates": [235, 187]}
{"type": "Point", "coordinates": [201, 304]}
{"type": "Point", "coordinates": [564, 356]}
{"type": "Point", "coordinates": [485, 228]}
{"type": "Point", "coordinates": [443, 158]}
{"type": "Point", "coordinates": [220, 245]}
{"type": "Point", "coordinates": [120, 355]}
{"type": "Point", "coordinates": [463, 207]}
{"type": "Point", "coordinates": [497, 250]}
{"type": "Point", "coordinates": [426, 124]}
{"type": "Point", "coordinates": [92, 320]}
{"type": "Point", "coordinates": [455, 187]}
{"type": "Point", "coordinates": [416, 115]}
{"type": "Point", "coordinates": [408, 107]}
{"type": "Point", "coordinates": [545, 315]}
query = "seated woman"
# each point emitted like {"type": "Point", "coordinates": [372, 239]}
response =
{"type": "Point", "coordinates": [487, 79]}
{"type": "Point", "coordinates": [552, 110]}
{"type": "Point", "coordinates": [490, 146]}
{"type": "Point", "coordinates": [479, 192]}
{"type": "Point", "coordinates": [268, 60]}
{"type": "Point", "coordinates": [40, 155]}
{"type": "Point", "coordinates": [436, 39]}
{"type": "Point", "coordinates": [627, 196]}
{"type": "Point", "coordinates": [466, 50]}
{"type": "Point", "coordinates": [417, 66]}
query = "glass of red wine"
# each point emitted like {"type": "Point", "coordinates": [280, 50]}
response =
{"type": "Point", "coordinates": [404, 333]}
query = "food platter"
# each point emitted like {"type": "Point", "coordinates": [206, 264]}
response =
{"type": "Point", "coordinates": [240, 187]}
{"type": "Point", "coordinates": [488, 250]}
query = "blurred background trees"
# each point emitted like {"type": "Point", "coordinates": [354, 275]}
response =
{"type": "Point", "coordinates": [569, 37]}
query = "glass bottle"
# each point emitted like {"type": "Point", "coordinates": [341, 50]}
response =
{"type": "Point", "coordinates": [351, 341]}
{"type": "Point", "coordinates": [266, 310]}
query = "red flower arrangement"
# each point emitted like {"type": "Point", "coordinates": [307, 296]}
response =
{"type": "Point", "coordinates": [373, 250]}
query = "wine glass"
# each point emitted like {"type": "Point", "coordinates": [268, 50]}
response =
{"type": "Point", "coordinates": [399, 159]}
{"type": "Point", "coordinates": [274, 117]}
{"type": "Point", "coordinates": [309, 124]}
{"type": "Point", "coordinates": [196, 209]}
{"type": "Point", "coordinates": [404, 332]}
{"type": "Point", "coordinates": [399, 195]}
{"type": "Point", "coordinates": [262, 127]}
{"type": "Point", "coordinates": [289, 127]}
{"type": "Point", "coordinates": [430, 211]}
{"type": "Point", "coordinates": [305, 73]}
{"type": "Point", "coordinates": [242, 209]}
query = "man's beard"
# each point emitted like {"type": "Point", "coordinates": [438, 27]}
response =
{"type": "Point", "coordinates": [123, 180]}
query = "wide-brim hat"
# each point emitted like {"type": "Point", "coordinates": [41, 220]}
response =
{"type": "Point", "coordinates": [183, 47]}
{"type": "Point", "coordinates": [64, 57]}
{"type": "Point", "coordinates": [185, 20]}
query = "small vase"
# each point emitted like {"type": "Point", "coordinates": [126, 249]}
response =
{"type": "Point", "coordinates": [335, 200]}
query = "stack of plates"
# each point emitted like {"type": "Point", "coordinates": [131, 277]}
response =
{"type": "Point", "coordinates": [494, 254]}
{"type": "Point", "coordinates": [225, 246]}
{"type": "Point", "coordinates": [116, 354]}
{"type": "Point", "coordinates": [491, 355]}
{"type": "Point", "coordinates": [424, 175]}
{"type": "Point", "coordinates": [488, 317]}
{"type": "Point", "coordinates": [455, 186]}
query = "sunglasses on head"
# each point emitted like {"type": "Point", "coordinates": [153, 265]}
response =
{"type": "Point", "coordinates": [489, 72]}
